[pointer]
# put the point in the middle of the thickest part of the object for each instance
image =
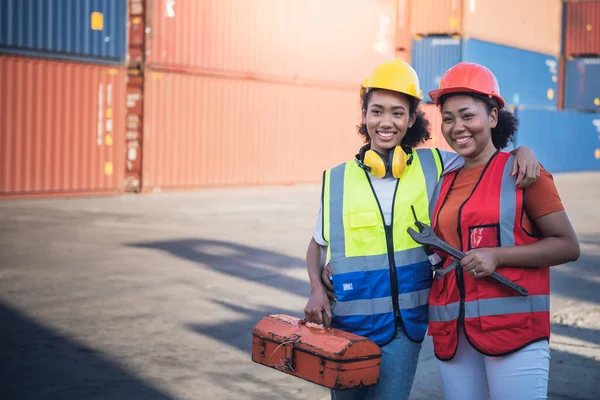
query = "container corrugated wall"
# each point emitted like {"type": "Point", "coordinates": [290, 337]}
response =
{"type": "Point", "coordinates": [525, 77]}
{"type": "Point", "coordinates": [294, 40]}
{"type": "Point", "coordinates": [533, 25]}
{"type": "Point", "coordinates": [403, 34]}
{"type": "Point", "coordinates": [582, 84]}
{"type": "Point", "coordinates": [61, 127]}
{"type": "Point", "coordinates": [574, 147]}
{"type": "Point", "coordinates": [532, 81]}
{"type": "Point", "coordinates": [582, 28]}
{"type": "Point", "coordinates": [207, 131]}
{"type": "Point", "coordinates": [433, 114]}
{"type": "Point", "coordinates": [436, 17]}
{"type": "Point", "coordinates": [83, 30]}
{"type": "Point", "coordinates": [431, 58]}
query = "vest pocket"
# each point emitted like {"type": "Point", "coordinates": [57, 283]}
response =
{"type": "Point", "coordinates": [484, 236]}
{"type": "Point", "coordinates": [508, 321]}
{"type": "Point", "coordinates": [363, 219]}
{"type": "Point", "coordinates": [365, 231]}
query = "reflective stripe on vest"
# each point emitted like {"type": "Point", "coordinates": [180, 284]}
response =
{"type": "Point", "coordinates": [381, 305]}
{"type": "Point", "coordinates": [489, 307]}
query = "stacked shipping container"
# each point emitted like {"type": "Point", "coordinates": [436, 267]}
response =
{"type": "Point", "coordinates": [581, 64]}
{"type": "Point", "coordinates": [62, 123]}
{"type": "Point", "coordinates": [80, 30]}
{"type": "Point", "coordinates": [523, 54]}
{"type": "Point", "coordinates": [564, 141]}
{"type": "Point", "coordinates": [261, 92]}
{"type": "Point", "coordinates": [212, 93]}
{"type": "Point", "coordinates": [580, 82]}
{"type": "Point", "coordinates": [61, 127]}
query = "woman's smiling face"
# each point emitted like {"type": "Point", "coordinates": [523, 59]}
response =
{"type": "Point", "coordinates": [387, 119]}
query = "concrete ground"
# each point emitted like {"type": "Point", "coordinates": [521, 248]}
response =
{"type": "Point", "coordinates": [155, 296]}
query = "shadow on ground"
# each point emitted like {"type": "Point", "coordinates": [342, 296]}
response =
{"type": "Point", "coordinates": [244, 262]}
{"type": "Point", "coordinates": [238, 333]}
{"type": "Point", "coordinates": [40, 364]}
{"type": "Point", "coordinates": [581, 280]}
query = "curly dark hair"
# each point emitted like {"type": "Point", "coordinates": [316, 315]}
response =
{"type": "Point", "coordinates": [504, 132]}
{"type": "Point", "coordinates": [415, 135]}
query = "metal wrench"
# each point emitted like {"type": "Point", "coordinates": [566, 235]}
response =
{"type": "Point", "coordinates": [426, 236]}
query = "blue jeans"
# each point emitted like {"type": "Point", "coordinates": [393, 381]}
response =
{"type": "Point", "coordinates": [396, 374]}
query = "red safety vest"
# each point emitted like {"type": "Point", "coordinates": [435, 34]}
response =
{"type": "Point", "coordinates": [497, 321]}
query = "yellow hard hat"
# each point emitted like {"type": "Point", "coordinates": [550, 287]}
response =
{"type": "Point", "coordinates": [395, 75]}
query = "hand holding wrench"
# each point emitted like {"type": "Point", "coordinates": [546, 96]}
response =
{"type": "Point", "coordinates": [426, 236]}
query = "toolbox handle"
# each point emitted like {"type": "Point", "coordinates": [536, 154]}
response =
{"type": "Point", "coordinates": [312, 325]}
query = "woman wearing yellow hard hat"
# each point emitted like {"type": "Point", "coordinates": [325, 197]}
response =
{"type": "Point", "coordinates": [380, 277]}
{"type": "Point", "coordinates": [496, 344]}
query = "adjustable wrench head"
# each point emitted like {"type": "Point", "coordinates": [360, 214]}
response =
{"type": "Point", "coordinates": [424, 230]}
{"type": "Point", "coordinates": [424, 236]}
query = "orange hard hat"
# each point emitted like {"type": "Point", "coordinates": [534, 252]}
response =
{"type": "Point", "coordinates": [466, 77]}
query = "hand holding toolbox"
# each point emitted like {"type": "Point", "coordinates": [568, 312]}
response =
{"type": "Point", "coordinates": [326, 356]}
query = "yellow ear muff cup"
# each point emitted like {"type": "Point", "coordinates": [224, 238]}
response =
{"type": "Point", "coordinates": [374, 161]}
{"type": "Point", "coordinates": [398, 162]}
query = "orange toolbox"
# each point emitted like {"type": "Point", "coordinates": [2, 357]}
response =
{"type": "Point", "coordinates": [326, 356]}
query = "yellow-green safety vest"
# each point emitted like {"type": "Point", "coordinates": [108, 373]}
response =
{"type": "Point", "coordinates": [381, 277]}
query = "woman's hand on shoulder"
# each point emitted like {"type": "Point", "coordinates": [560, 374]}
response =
{"type": "Point", "coordinates": [526, 167]}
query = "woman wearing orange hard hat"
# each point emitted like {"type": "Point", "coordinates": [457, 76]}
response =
{"type": "Point", "coordinates": [489, 340]}
{"type": "Point", "coordinates": [380, 277]}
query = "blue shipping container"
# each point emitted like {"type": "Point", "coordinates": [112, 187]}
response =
{"type": "Point", "coordinates": [82, 30]}
{"type": "Point", "coordinates": [525, 77]}
{"type": "Point", "coordinates": [582, 84]}
{"type": "Point", "coordinates": [563, 141]}
{"type": "Point", "coordinates": [431, 58]}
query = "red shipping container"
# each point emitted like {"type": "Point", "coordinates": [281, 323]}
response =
{"type": "Point", "coordinates": [582, 28]}
{"type": "Point", "coordinates": [560, 98]}
{"type": "Point", "coordinates": [403, 35]}
{"type": "Point", "coordinates": [433, 114]}
{"type": "Point", "coordinates": [62, 127]}
{"type": "Point", "coordinates": [324, 42]}
{"type": "Point", "coordinates": [436, 17]}
{"type": "Point", "coordinates": [204, 131]}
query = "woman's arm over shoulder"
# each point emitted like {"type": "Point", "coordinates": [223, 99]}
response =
{"type": "Point", "coordinates": [450, 161]}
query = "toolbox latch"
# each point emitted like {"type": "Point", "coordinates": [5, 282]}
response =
{"type": "Point", "coordinates": [286, 363]}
